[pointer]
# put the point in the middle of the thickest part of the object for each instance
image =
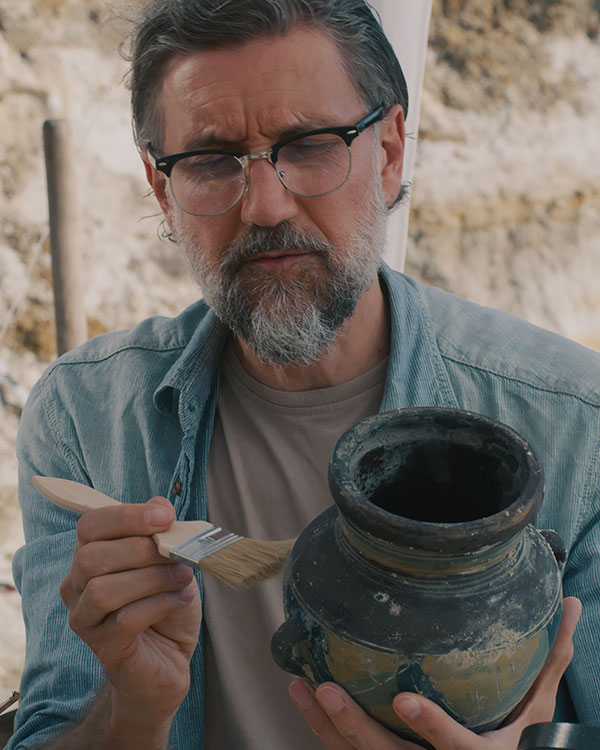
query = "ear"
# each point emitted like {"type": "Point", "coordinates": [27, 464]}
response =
{"type": "Point", "coordinates": [392, 137]}
{"type": "Point", "coordinates": [158, 182]}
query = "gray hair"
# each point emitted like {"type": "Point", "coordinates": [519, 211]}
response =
{"type": "Point", "coordinates": [171, 27]}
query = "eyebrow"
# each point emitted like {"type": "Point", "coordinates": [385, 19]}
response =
{"type": "Point", "coordinates": [211, 140]}
{"type": "Point", "coordinates": [198, 143]}
{"type": "Point", "coordinates": [208, 139]}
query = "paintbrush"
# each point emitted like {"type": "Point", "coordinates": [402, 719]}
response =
{"type": "Point", "coordinates": [7, 704]}
{"type": "Point", "coordinates": [236, 560]}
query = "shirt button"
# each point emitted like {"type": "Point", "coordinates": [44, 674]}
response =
{"type": "Point", "coordinates": [177, 487]}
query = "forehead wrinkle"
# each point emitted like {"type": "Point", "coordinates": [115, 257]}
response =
{"type": "Point", "coordinates": [261, 103]}
{"type": "Point", "coordinates": [237, 124]}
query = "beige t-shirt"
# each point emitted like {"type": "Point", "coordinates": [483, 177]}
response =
{"type": "Point", "coordinates": [267, 479]}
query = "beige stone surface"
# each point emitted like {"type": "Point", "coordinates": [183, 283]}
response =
{"type": "Point", "coordinates": [506, 196]}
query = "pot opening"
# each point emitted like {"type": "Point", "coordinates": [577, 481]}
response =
{"type": "Point", "coordinates": [441, 481]}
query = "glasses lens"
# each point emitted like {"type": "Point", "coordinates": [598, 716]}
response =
{"type": "Point", "coordinates": [314, 165]}
{"type": "Point", "coordinates": [207, 184]}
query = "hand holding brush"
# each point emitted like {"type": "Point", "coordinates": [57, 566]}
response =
{"type": "Point", "coordinates": [236, 560]}
{"type": "Point", "coordinates": [138, 609]}
{"type": "Point", "coordinates": [140, 614]}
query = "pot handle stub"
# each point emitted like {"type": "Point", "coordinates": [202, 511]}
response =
{"type": "Point", "coordinates": [557, 546]}
{"type": "Point", "coordinates": [283, 646]}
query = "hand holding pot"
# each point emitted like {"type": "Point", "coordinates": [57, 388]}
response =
{"type": "Point", "coordinates": [342, 725]}
{"type": "Point", "coordinates": [427, 576]}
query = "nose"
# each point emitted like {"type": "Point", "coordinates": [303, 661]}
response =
{"type": "Point", "coordinates": [266, 202]}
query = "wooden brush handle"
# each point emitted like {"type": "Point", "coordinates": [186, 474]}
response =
{"type": "Point", "coordinates": [80, 498]}
{"type": "Point", "coordinates": [72, 495]}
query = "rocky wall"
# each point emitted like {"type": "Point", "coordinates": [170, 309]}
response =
{"type": "Point", "coordinates": [506, 195]}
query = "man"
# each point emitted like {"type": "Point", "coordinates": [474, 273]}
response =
{"type": "Point", "coordinates": [232, 409]}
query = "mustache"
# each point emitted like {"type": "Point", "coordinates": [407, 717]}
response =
{"type": "Point", "coordinates": [259, 240]}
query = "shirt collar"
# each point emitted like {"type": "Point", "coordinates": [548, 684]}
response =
{"type": "Point", "coordinates": [416, 374]}
{"type": "Point", "coordinates": [192, 373]}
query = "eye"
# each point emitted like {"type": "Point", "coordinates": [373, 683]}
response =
{"type": "Point", "coordinates": [313, 149]}
{"type": "Point", "coordinates": [209, 167]}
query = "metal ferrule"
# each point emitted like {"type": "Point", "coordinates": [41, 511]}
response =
{"type": "Point", "coordinates": [196, 548]}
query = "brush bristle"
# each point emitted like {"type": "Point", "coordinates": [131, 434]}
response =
{"type": "Point", "coordinates": [245, 562]}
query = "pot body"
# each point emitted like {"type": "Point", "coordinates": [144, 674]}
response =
{"type": "Point", "coordinates": [426, 576]}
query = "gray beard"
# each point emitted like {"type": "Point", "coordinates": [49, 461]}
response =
{"type": "Point", "coordinates": [293, 321]}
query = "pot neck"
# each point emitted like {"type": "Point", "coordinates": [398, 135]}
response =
{"type": "Point", "coordinates": [413, 561]}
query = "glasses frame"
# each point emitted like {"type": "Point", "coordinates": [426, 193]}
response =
{"type": "Point", "coordinates": [347, 133]}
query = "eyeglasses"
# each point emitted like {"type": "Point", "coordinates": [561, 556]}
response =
{"type": "Point", "coordinates": [209, 182]}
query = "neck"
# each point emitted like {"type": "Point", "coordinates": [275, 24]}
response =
{"type": "Point", "coordinates": [362, 343]}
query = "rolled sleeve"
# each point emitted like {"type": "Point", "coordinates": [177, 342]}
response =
{"type": "Point", "coordinates": [61, 674]}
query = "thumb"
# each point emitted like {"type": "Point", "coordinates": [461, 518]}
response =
{"type": "Point", "coordinates": [159, 513]}
{"type": "Point", "coordinates": [432, 723]}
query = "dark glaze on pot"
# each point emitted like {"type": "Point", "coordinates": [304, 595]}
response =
{"type": "Point", "coordinates": [426, 575]}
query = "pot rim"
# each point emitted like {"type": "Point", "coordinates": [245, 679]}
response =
{"type": "Point", "coordinates": [446, 538]}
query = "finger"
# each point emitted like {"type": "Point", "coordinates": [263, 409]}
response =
{"type": "Point", "coordinates": [106, 594]}
{"type": "Point", "coordinates": [432, 723]}
{"type": "Point", "coordinates": [303, 698]}
{"type": "Point", "coordinates": [128, 519]}
{"type": "Point", "coordinates": [100, 558]}
{"type": "Point", "coordinates": [353, 724]}
{"type": "Point", "coordinates": [540, 702]}
{"type": "Point", "coordinates": [113, 640]}
{"type": "Point", "coordinates": [562, 651]}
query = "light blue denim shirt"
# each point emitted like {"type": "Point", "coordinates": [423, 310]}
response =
{"type": "Point", "coordinates": [132, 412]}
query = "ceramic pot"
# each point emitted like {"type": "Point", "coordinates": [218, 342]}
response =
{"type": "Point", "coordinates": [426, 575]}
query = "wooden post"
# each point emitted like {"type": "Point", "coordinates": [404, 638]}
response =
{"type": "Point", "coordinates": [71, 323]}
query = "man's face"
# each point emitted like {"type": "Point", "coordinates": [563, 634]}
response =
{"type": "Point", "coordinates": [283, 272]}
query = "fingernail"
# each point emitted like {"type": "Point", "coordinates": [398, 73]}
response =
{"type": "Point", "coordinates": [331, 700]}
{"type": "Point", "coordinates": [301, 695]}
{"type": "Point", "coordinates": [157, 516]}
{"type": "Point", "coordinates": [407, 707]}
{"type": "Point", "coordinates": [186, 594]}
